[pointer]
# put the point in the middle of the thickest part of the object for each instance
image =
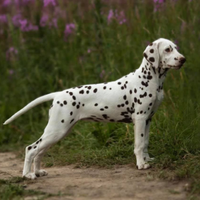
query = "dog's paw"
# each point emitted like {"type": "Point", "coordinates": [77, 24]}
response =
{"type": "Point", "coordinates": [41, 173]}
{"type": "Point", "coordinates": [144, 166]}
{"type": "Point", "coordinates": [30, 176]}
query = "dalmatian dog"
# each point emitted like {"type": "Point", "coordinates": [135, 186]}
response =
{"type": "Point", "coordinates": [134, 98]}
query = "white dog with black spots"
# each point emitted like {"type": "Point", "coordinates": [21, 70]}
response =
{"type": "Point", "coordinates": [134, 98]}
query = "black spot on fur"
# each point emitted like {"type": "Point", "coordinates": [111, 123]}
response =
{"type": "Point", "coordinates": [119, 83]}
{"type": "Point", "coordinates": [65, 102]}
{"type": "Point", "coordinates": [71, 113]}
{"type": "Point", "coordinates": [124, 97]}
{"type": "Point", "coordinates": [135, 90]}
{"type": "Point", "coordinates": [105, 116]}
{"type": "Point", "coordinates": [139, 102]}
{"type": "Point", "coordinates": [77, 106]}
{"type": "Point", "coordinates": [71, 121]}
{"type": "Point", "coordinates": [135, 100]}
{"type": "Point", "coordinates": [130, 91]}
{"type": "Point", "coordinates": [152, 59]}
{"type": "Point", "coordinates": [96, 104]}
{"type": "Point", "coordinates": [81, 92]}
{"type": "Point", "coordinates": [145, 83]}
{"type": "Point", "coordinates": [30, 147]}
{"type": "Point", "coordinates": [74, 103]}
{"type": "Point", "coordinates": [152, 51]}
{"type": "Point", "coordinates": [143, 95]}
{"type": "Point", "coordinates": [58, 102]}
{"type": "Point", "coordinates": [104, 87]}
{"type": "Point", "coordinates": [142, 135]}
{"type": "Point", "coordinates": [149, 77]}
{"type": "Point", "coordinates": [62, 120]}
{"type": "Point", "coordinates": [35, 147]}
{"type": "Point", "coordinates": [145, 55]}
{"type": "Point", "coordinates": [71, 93]}
{"type": "Point", "coordinates": [95, 90]}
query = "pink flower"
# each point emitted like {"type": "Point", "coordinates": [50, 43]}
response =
{"type": "Point", "coordinates": [48, 2]}
{"type": "Point", "coordinates": [26, 26]}
{"type": "Point", "coordinates": [3, 19]}
{"type": "Point", "coordinates": [15, 19]}
{"type": "Point", "coordinates": [114, 15]}
{"type": "Point", "coordinates": [44, 20]}
{"type": "Point", "coordinates": [110, 16]}
{"type": "Point", "coordinates": [11, 52]}
{"type": "Point", "coordinates": [7, 2]}
{"type": "Point", "coordinates": [69, 29]}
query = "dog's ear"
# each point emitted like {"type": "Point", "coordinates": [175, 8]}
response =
{"type": "Point", "coordinates": [151, 53]}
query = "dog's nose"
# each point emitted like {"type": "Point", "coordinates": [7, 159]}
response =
{"type": "Point", "coordinates": [182, 60]}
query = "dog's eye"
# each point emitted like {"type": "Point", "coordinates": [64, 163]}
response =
{"type": "Point", "coordinates": [167, 50]}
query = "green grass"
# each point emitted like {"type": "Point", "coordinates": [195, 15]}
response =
{"type": "Point", "coordinates": [46, 63]}
{"type": "Point", "coordinates": [14, 189]}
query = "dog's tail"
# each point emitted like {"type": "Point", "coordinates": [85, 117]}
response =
{"type": "Point", "coordinates": [32, 104]}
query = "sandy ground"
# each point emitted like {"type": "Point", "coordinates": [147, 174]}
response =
{"type": "Point", "coordinates": [121, 182]}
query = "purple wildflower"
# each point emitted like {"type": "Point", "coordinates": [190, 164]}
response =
{"type": "Point", "coordinates": [44, 20]}
{"type": "Point", "coordinates": [26, 26]}
{"type": "Point", "coordinates": [15, 19]}
{"type": "Point", "coordinates": [11, 71]}
{"type": "Point", "coordinates": [89, 50]}
{"type": "Point", "coordinates": [121, 17]}
{"type": "Point", "coordinates": [114, 15]}
{"type": "Point", "coordinates": [110, 16]}
{"type": "Point", "coordinates": [23, 24]}
{"type": "Point", "coordinates": [48, 2]}
{"type": "Point", "coordinates": [69, 29]}
{"type": "Point", "coordinates": [3, 19]}
{"type": "Point", "coordinates": [158, 4]}
{"type": "Point", "coordinates": [11, 52]}
{"type": "Point", "coordinates": [7, 2]}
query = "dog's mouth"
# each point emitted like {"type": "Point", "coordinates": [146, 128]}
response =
{"type": "Point", "coordinates": [176, 67]}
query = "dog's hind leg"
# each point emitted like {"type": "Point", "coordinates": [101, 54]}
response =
{"type": "Point", "coordinates": [52, 134]}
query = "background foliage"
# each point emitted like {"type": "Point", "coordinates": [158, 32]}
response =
{"type": "Point", "coordinates": [52, 45]}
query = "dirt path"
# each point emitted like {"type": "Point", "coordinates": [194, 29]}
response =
{"type": "Point", "coordinates": [122, 182]}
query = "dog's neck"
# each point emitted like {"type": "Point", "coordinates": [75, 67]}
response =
{"type": "Point", "coordinates": [157, 73]}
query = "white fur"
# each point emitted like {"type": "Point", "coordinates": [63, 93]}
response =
{"type": "Point", "coordinates": [134, 98]}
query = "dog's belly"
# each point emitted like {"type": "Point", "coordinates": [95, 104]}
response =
{"type": "Point", "coordinates": [109, 116]}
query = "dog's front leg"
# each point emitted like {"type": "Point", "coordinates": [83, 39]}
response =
{"type": "Point", "coordinates": [140, 129]}
{"type": "Point", "coordinates": [146, 154]}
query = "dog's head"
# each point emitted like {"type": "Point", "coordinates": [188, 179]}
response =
{"type": "Point", "coordinates": [163, 53]}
